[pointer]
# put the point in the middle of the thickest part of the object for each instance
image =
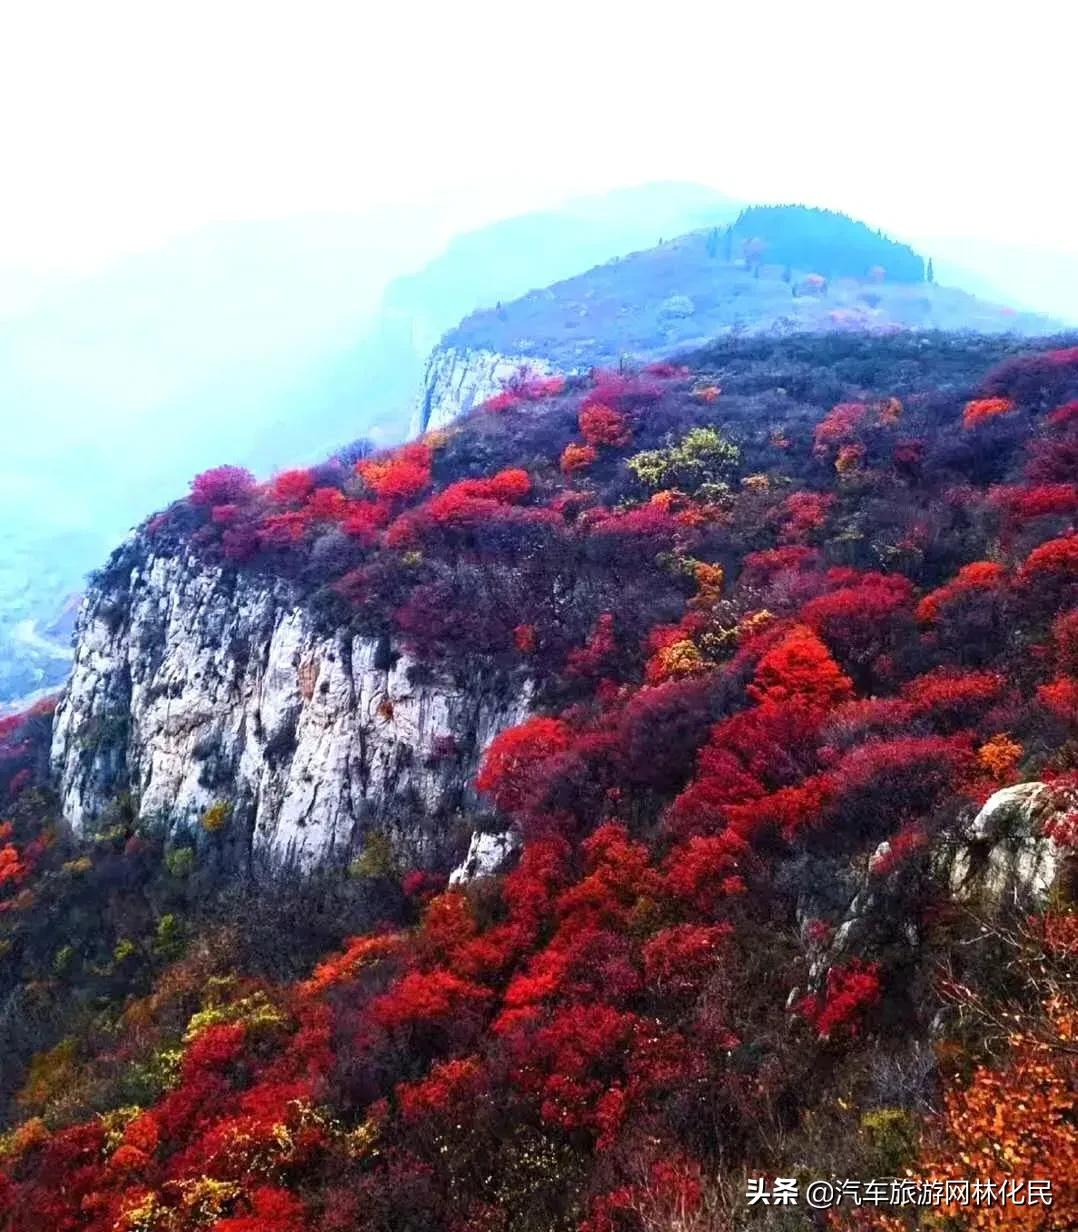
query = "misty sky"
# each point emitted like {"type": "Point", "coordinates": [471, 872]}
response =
{"type": "Point", "coordinates": [127, 122]}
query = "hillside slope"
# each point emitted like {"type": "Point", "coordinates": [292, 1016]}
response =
{"type": "Point", "coordinates": [266, 342]}
{"type": "Point", "coordinates": [774, 270]}
{"type": "Point", "coordinates": [774, 869]}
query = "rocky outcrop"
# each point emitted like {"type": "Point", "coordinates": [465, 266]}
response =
{"type": "Point", "coordinates": [1003, 855]}
{"type": "Point", "coordinates": [488, 854]}
{"type": "Point", "coordinates": [460, 378]}
{"type": "Point", "coordinates": [1000, 859]}
{"type": "Point", "coordinates": [193, 684]}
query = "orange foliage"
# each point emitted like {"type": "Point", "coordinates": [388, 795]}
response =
{"type": "Point", "coordinates": [982, 409]}
{"type": "Point", "coordinates": [1016, 1122]}
{"type": "Point", "coordinates": [402, 475]}
{"type": "Point", "coordinates": [577, 458]}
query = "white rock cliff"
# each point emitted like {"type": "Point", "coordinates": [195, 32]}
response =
{"type": "Point", "coordinates": [193, 684]}
{"type": "Point", "coordinates": [460, 378]}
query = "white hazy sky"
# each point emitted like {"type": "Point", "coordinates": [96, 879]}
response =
{"type": "Point", "coordinates": [126, 122]}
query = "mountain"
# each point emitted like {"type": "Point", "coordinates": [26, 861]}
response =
{"type": "Point", "coordinates": [261, 342]}
{"type": "Point", "coordinates": [774, 269]}
{"type": "Point", "coordinates": [507, 259]}
{"type": "Point", "coordinates": [652, 784]}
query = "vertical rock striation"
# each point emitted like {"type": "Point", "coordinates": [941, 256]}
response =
{"type": "Point", "coordinates": [194, 684]}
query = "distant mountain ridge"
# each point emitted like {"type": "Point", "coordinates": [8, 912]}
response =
{"type": "Point", "coordinates": [783, 269]}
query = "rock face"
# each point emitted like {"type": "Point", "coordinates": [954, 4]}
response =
{"type": "Point", "coordinates": [459, 378]}
{"type": "Point", "coordinates": [1005, 855]}
{"type": "Point", "coordinates": [193, 684]}
{"type": "Point", "coordinates": [487, 854]}
{"type": "Point", "coordinates": [999, 859]}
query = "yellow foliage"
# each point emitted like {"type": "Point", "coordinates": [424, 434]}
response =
{"type": "Point", "coordinates": [206, 1199]}
{"type": "Point", "coordinates": [757, 483]}
{"type": "Point", "coordinates": [376, 859]}
{"type": "Point", "coordinates": [144, 1214]}
{"type": "Point", "coordinates": [216, 817]}
{"type": "Point", "coordinates": [115, 1122]}
{"type": "Point", "coordinates": [256, 1012]}
{"type": "Point", "coordinates": [24, 1137]}
{"type": "Point", "coordinates": [50, 1074]}
{"type": "Point", "coordinates": [125, 949]}
{"type": "Point", "coordinates": [361, 1141]}
{"type": "Point", "coordinates": [753, 623]}
{"type": "Point", "coordinates": [709, 583]}
{"type": "Point", "coordinates": [849, 459]}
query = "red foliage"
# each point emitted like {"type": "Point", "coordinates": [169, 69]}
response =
{"type": "Point", "coordinates": [679, 960]}
{"type": "Point", "coordinates": [449, 1092]}
{"type": "Point", "coordinates": [12, 869]}
{"type": "Point", "coordinates": [573, 1064]}
{"type": "Point", "coordinates": [364, 519]}
{"type": "Point", "coordinates": [326, 505]}
{"type": "Point", "coordinates": [1065, 415]}
{"type": "Point", "coordinates": [953, 698]}
{"type": "Point", "coordinates": [705, 870]}
{"type": "Point", "coordinates": [597, 653]}
{"type": "Point", "coordinates": [804, 513]}
{"type": "Point", "coordinates": [223, 485]}
{"type": "Point", "coordinates": [1022, 504]}
{"type": "Point", "coordinates": [839, 426]}
{"type": "Point", "coordinates": [525, 638]}
{"type": "Point", "coordinates": [583, 1011]}
{"type": "Point", "coordinates": [602, 425]}
{"type": "Point", "coordinates": [215, 1048]}
{"type": "Point", "coordinates": [1056, 560]}
{"type": "Point", "coordinates": [648, 528]}
{"type": "Point", "coordinates": [900, 847]}
{"type": "Point", "coordinates": [919, 770]}
{"type": "Point", "coordinates": [1060, 696]}
{"type": "Point", "coordinates": [471, 501]}
{"type": "Point", "coordinates": [508, 773]}
{"type": "Point", "coordinates": [787, 811]}
{"type": "Point", "coordinates": [862, 617]}
{"type": "Point", "coordinates": [800, 669]}
{"type": "Point", "coordinates": [429, 999]}
{"type": "Point", "coordinates": [981, 575]}
{"type": "Point", "coordinates": [1065, 642]}
{"type": "Point", "coordinates": [270, 1210]}
{"type": "Point", "coordinates": [506, 400]}
{"type": "Point", "coordinates": [851, 991]}
{"type": "Point", "coordinates": [760, 568]}
{"type": "Point", "coordinates": [292, 487]}
{"type": "Point", "coordinates": [283, 530]}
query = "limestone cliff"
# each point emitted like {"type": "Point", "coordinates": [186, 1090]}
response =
{"type": "Point", "coordinates": [460, 378]}
{"type": "Point", "coordinates": [194, 684]}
